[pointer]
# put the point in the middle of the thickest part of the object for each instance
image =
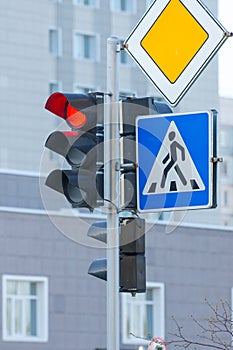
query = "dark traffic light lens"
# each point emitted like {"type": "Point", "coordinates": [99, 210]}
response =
{"type": "Point", "coordinates": [75, 156]}
{"type": "Point", "coordinates": [75, 194]}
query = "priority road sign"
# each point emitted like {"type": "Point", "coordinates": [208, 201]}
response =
{"type": "Point", "coordinates": [175, 154]}
{"type": "Point", "coordinates": [173, 43]}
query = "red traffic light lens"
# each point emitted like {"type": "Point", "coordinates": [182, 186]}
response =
{"type": "Point", "coordinates": [58, 104]}
{"type": "Point", "coordinates": [74, 117]}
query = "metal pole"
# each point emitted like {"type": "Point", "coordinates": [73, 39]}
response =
{"type": "Point", "coordinates": [112, 190]}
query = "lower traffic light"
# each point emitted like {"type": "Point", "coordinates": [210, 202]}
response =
{"type": "Point", "coordinates": [131, 254]}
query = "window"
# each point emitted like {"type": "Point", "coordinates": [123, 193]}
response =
{"type": "Point", "coordinates": [124, 5]}
{"type": "Point", "coordinates": [224, 167]}
{"type": "Point", "coordinates": [86, 47]}
{"type": "Point", "coordinates": [143, 315]}
{"type": "Point", "coordinates": [55, 47]}
{"type": "Point", "coordinates": [25, 308]}
{"type": "Point", "coordinates": [125, 59]}
{"type": "Point", "coordinates": [54, 86]}
{"type": "Point", "coordinates": [124, 93]}
{"type": "Point", "coordinates": [83, 89]}
{"type": "Point", "coordinates": [149, 2]}
{"type": "Point", "coordinates": [223, 138]}
{"type": "Point", "coordinates": [224, 198]}
{"type": "Point", "coordinates": [92, 3]}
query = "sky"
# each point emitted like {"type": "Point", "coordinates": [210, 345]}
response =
{"type": "Point", "coordinates": [225, 53]}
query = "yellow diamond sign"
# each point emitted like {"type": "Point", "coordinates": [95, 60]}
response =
{"type": "Point", "coordinates": [173, 42]}
{"type": "Point", "coordinates": [173, 47]}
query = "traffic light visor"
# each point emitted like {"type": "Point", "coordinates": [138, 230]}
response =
{"type": "Point", "coordinates": [59, 104]}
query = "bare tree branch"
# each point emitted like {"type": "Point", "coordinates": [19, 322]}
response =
{"type": "Point", "coordinates": [214, 332]}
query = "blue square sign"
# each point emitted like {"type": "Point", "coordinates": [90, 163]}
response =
{"type": "Point", "coordinates": [175, 157]}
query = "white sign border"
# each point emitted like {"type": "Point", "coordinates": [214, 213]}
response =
{"type": "Point", "coordinates": [216, 37]}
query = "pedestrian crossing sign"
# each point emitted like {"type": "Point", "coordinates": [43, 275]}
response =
{"type": "Point", "coordinates": [175, 155]}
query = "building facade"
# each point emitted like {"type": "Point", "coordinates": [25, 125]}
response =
{"type": "Point", "coordinates": [60, 45]}
{"type": "Point", "coordinates": [50, 302]}
{"type": "Point", "coordinates": [226, 150]}
{"type": "Point", "coordinates": [65, 50]}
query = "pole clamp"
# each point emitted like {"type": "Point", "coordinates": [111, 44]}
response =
{"type": "Point", "coordinates": [216, 159]}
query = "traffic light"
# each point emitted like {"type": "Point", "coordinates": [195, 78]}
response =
{"type": "Point", "coordinates": [82, 147]}
{"type": "Point", "coordinates": [132, 256]}
{"type": "Point", "coordinates": [132, 262]}
{"type": "Point", "coordinates": [131, 108]}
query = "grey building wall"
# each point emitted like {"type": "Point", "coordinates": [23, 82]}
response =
{"type": "Point", "coordinates": [226, 151]}
{"type": "Point", "coordinates": [193, 262]}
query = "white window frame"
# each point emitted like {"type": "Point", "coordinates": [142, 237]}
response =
{"type": "Point", "coordinates": [97, 46]}
{"type": "Point", "coordinates": [42, 316]}
{"type": "Point", "coordinates": [129, 61]}
{"type": "Point", "coordinates": [158, 316]}
{"type": "Point", "coordinates": [59, 41]}
{"type": "Point", "coordinates": [116, 8]}
{"type": "Point", "coordinates": [81, 3]}
{"type": "Point", "coordinates": [223, 138]}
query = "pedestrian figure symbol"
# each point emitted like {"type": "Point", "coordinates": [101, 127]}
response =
{"type": "Point", "coordinates": [173, 160]}
{"type": "Point", "coordinates": [173, 169]}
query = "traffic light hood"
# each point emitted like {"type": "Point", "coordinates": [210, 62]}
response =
{"type": "Point", "coordinates": [75, 109]}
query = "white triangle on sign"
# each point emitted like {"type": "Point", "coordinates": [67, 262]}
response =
{"type": "Point", "coordinates": [173, 170]}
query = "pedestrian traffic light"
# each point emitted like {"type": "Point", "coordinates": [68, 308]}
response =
{"type": "Point", "coordinates": [132, 262]}
{"type": "Point", "coordinates": [82, 147]}
{"type": "Point", "coordinates": [132, 107]}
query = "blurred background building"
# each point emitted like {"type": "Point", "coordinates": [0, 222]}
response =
{"type": "Point", "coordinates": [60, 45]}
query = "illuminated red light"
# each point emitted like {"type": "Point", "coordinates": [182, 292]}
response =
{"type": "Point", "coordinates": [70, 133]}
{"type": "Point", "coordinates": [58, 104]}
{"type": "Point", "coordinates": [74, 117]}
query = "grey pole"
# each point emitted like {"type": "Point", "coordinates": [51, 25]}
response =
{"type": "Point", "coordinates": [112, 191]}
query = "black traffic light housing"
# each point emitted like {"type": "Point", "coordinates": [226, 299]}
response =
{"type": "Point", "coordinates": [132, 262]}
{"type": "Point", "coordinates": [131, 108]}
{"type": "Point", "coordinates": [82, 147]}
{"type": "Point", "coordinates": [132, 255]}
